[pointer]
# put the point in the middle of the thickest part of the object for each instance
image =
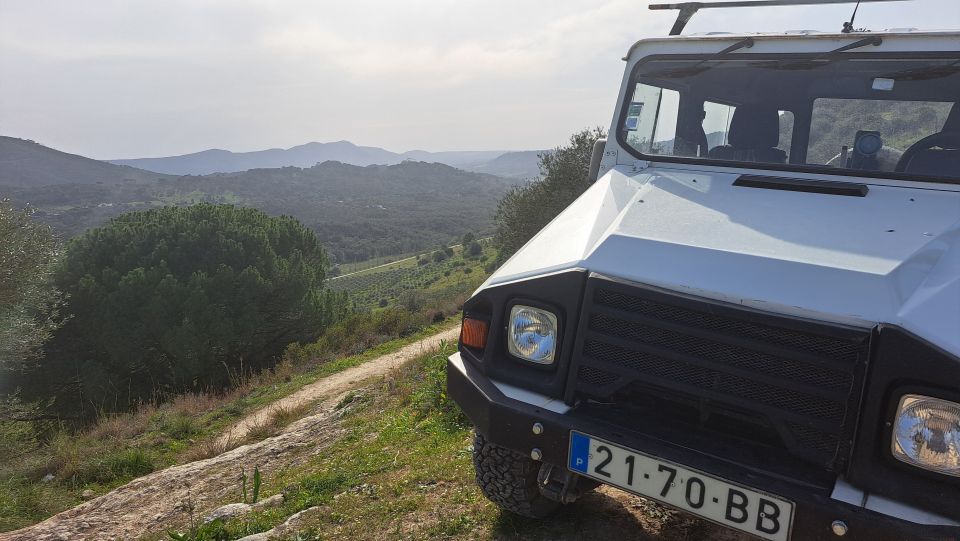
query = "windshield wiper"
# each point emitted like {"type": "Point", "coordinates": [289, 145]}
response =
{"type": "Point", "coordinates": [872, 40]}
{"type": "Point", "coordinates": [744, 43]}
{"type": "Point", "coordinates": [687, 71]}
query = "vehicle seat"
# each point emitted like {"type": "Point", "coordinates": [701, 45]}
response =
{"type": "Point", "coordinates": [754, 136]}
{"type": "Point", "coordinates": [937, 161]}
{"type": "Point", "coordinates": [691, 139]}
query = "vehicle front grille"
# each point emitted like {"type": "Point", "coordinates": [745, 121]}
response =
{"type": "Point", "coordinates": [687, 367]}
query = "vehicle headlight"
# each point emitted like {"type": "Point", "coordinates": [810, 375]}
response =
{"type": "Point", "coordinates": [926, 433]}
{"type": "Point", "coordinates": [532, 334]}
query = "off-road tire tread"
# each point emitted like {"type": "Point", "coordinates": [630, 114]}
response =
{"type": "Point", "coordinates": [509, 479]}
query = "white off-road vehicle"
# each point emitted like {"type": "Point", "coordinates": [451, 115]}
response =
{"type": "Point", "coordinates": [753, 314]}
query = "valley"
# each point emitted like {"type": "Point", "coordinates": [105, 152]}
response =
{"type": "Point", "coordinates": [358, 212]}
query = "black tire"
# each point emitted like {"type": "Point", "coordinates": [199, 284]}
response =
{"type": "Point", "coordinates": [509, 479]}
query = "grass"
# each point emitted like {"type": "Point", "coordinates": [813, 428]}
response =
{"type": "Point", "coordinates": [122, 447]}
{"type": "Point", "coordinates": [403, 470]}
{"type": "Point", "coordinates": [277, 419]}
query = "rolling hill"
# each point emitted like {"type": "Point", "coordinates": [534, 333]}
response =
{"type": "Point", "coordinates": [358, 212]}
{"type": "Point", "coordinates": [24, 163]}
{"type": "Point", "coordinates": [512, 164]}
{"type": "Point", "coordinates": [308, 155]}
{"type": "Point", "coordinates": [522, 164]}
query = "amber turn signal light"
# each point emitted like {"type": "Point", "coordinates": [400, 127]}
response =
{"type": "Point", "coordinates": [473, 333]}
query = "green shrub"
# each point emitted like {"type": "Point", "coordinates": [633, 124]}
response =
{"type": "Point", "coordinates": [172, 299]}
{"type": "Point", "coordinates": [28, 300]}
{"type": "Point", "coordinates": [431, 394]}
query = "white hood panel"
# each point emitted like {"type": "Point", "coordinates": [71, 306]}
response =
{"type": "Point", "coordinates": [892, 256]}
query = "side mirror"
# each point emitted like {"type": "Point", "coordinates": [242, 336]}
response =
{"type": "Point", "coordinates": [595, 158]}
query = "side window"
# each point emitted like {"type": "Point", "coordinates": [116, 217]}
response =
{"type": "Point", "coordinates": [716, 122]}
{"type": "Point", "coordinates": [651, 121]}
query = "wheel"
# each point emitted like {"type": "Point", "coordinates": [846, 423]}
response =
{"type": "Point", "coordinates": [509, 479]}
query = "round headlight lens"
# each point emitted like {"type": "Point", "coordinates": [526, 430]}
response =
{"type": "Point", "coordinates": [532, 334]}
{"type": "Point", "coordinates": [927, 434]}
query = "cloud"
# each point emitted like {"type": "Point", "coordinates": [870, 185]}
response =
{"type": "Point", "coordinates": [116, 78]}
{"type": "Point", "coordinates": [542, 47]}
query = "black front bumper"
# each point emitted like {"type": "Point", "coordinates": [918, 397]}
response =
{"type": "Point", "coordinates": [508, 422]}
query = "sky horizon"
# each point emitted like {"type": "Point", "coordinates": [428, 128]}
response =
{"type": "Point", "coordinates": [115, 79]}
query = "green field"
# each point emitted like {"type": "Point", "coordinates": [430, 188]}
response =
{"type": "Point", "coordinates": [416, 281]}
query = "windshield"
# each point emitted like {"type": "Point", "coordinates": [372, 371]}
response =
{"type": "Point", "coordinates": [841, 113]}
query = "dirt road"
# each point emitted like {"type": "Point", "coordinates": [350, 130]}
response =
{"type": "Point", "coordinates": [153, 502]}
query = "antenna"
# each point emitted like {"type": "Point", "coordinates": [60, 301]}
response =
{"type": "Point", "coordinates": [689, 9]}
{"type": "Point", "coordinates": [848, 26]}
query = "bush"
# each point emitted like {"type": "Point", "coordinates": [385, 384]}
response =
{"type": "Point", "coordinates": [431, 394]}
{"type": "Point", "coordinates": [413, 300]}
{"type": "Point", "coordinates": [357, 333]}
{"type": "Point", "coordinates": [174, 299]}
{"type": "Point", "coordinates": [28, 252]}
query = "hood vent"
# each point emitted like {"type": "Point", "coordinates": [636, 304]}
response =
{"type": "Point", "coordinates": [803, 185]}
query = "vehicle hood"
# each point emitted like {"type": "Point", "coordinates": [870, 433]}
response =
{"type": "Point", "coordinates": [892, 256]}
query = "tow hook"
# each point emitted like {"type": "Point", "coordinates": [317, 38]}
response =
{"type": "Point", "coordinates": [558, 484]}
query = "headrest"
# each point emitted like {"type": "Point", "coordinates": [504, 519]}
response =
{"type": "Point", "coordinates": [953, 119]}
{"type": "Point", "coordinates": [755, 126]}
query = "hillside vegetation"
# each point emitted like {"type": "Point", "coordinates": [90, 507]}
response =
{"type": "Point", "coordinates": [358, 212]}
{"type": "Point", "coordinates": [46, 465]}
{"type": "Point", "coordinates": [413, 282]}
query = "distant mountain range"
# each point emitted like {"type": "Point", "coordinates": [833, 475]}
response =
{"type": "Point", "coordinates": [513, 164]}
{"type": "Point", "coordinates": [358, 212]}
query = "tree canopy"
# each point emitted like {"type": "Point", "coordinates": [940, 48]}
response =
{"type": "Point", "coordinates": [28, 252]}
{"type": "Point", "coordinates": [185, 297]}
{"type": "Point", "coordinates": [525, 210]}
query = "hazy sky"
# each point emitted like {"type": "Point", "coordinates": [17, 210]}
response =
{"type": "Point", "coordinates": [126, 78]}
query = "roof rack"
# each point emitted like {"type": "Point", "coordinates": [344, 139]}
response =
{"type": "Point", "coordinates": [688, 9]}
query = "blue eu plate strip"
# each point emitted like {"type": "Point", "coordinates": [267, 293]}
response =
{"type": "Point", "coordinates": [579, 452]}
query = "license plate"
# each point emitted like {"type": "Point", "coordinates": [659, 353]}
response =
{"type": "Point", "coordinates": [698, 493]}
